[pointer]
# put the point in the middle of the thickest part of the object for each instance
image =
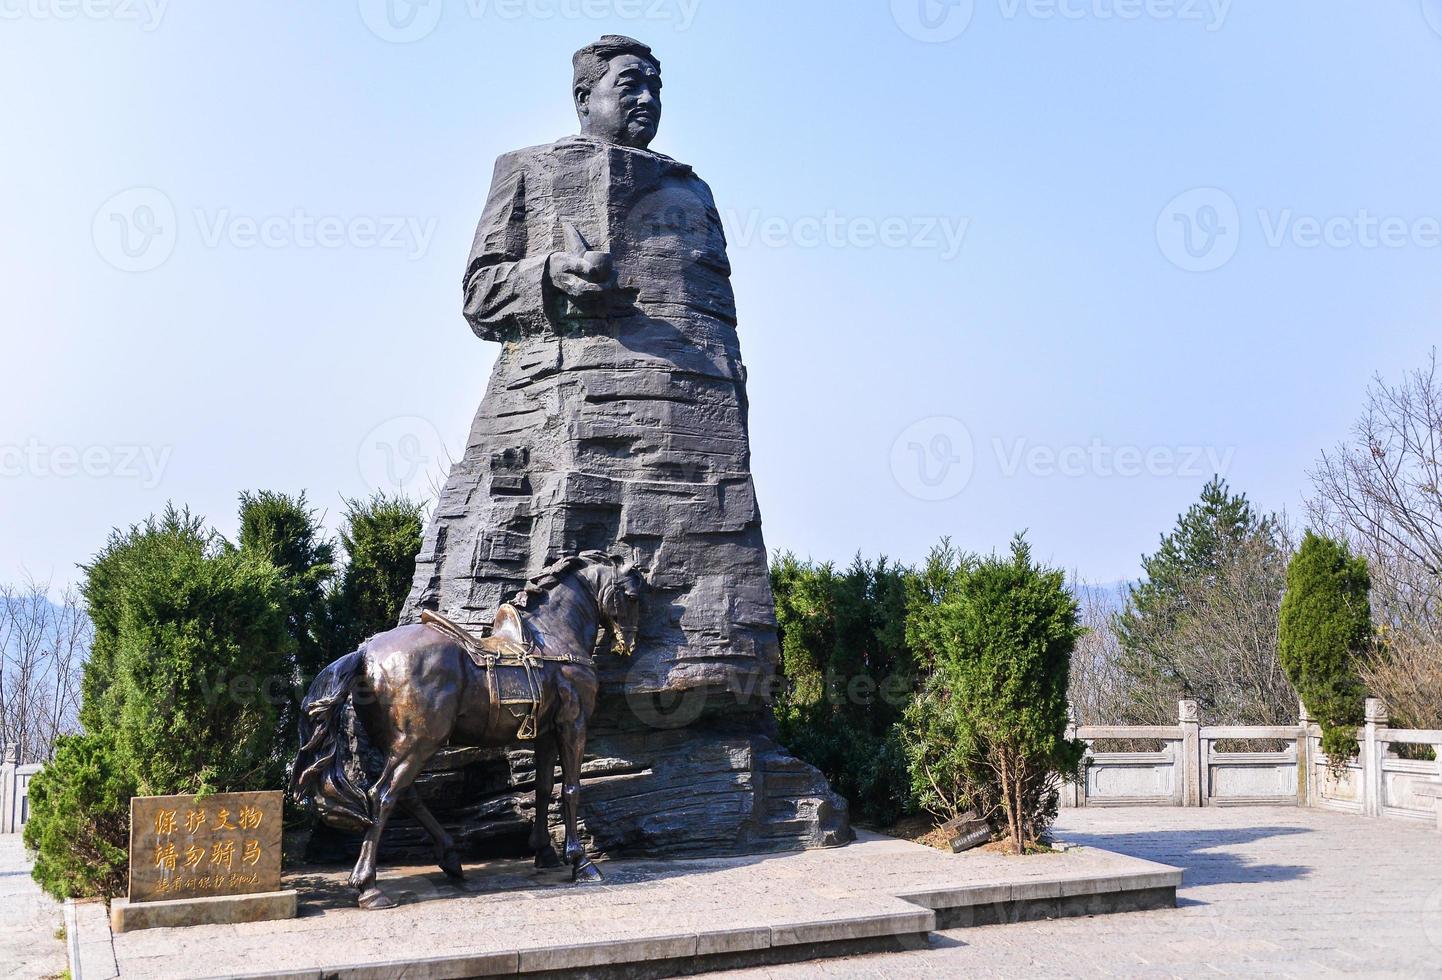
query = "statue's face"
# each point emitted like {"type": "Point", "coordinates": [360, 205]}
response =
{"type": "Point", "coordinates": [624, 106]}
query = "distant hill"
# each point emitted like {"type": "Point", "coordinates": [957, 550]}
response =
{"type": "Point", "coordinates": [1103, 595]}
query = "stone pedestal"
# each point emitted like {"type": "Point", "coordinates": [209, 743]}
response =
{"type": "Point", "coordinates": [718, 787]}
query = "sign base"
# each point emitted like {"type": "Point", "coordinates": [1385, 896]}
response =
{"type": "Point", "coordinates": [127, 916]}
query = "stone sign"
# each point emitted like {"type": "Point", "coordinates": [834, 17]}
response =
{"type": "Point", "coordinates": [184, 847]}
{"type": "Point", "coordinates": [966, 831]}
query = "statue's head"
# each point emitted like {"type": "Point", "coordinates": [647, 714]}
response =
{"type": "Point", "coordinates": [617, 87]}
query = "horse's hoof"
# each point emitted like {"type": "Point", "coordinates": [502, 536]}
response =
{"type": "Point", "coordinates": [586, 873]}
{"type": "Point", "coordinates": [451, 865]}
{"type": "Point", "coordinates": [548, 858]}
{"type": "Point", "coordinates": [374, 898]}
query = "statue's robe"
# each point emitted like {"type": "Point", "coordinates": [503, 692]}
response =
{"type": "Point", "coordinates": [624, 429]}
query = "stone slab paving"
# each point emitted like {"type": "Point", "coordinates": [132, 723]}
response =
{"type": "Point", "coordinates": [675, 906]}
{"type": "Point", "coordinates": [29, 919]}
{"type": "Point", "coordinates": [1267, 891]}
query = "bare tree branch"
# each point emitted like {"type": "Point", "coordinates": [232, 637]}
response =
{"type": "Point", "coordinates": [1383, 494]}
{"type": "Point", "coordinates": [43, 648]}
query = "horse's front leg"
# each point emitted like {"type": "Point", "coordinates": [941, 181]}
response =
{"type": "Point", "coordinates": [571, 732]}
{"type": "Point", "coordinates": [546, 856]}
{"type": "Point", "coordinates": [402, 767]}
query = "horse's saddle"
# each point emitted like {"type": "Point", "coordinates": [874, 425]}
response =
{"type": "Point", "coordinates": [510, 641]}
{"type": "Point", "coordinates": [511, 658]}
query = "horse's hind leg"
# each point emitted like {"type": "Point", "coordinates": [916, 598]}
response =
{"type": "Point", "coordinates": [447, 856]}
{"type": "Point", "coordinates": [403, 765]}
{"type": "Point", "coordinates": [546, 856]}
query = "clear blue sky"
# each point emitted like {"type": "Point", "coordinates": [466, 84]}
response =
{"type": "Point", "coordinates": [1078, 327]}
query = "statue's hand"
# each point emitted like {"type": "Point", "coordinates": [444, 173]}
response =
{"type": "Point", "coordinates": [588, 274]}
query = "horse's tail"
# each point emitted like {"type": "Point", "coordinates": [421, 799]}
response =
{"type": "Point", "coordinates": [320, 768]}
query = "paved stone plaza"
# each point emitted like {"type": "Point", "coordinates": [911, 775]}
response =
{"type": "Point", "coordinates": [507, 917]}
{"type": "Point", "coordinates": [28, 919]}
{"type": "Point", "coordinates": [1268, 890]}
{"type": "Point", "coordinates": [1271, 891]}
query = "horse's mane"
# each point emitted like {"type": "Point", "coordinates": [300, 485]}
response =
{"type": "Point", "coordinates": [552, 575]}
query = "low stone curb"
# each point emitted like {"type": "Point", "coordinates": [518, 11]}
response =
{"type": "Point", "coordinates": [1152, 887]}
{"type": "Point", "coordinates": [87, 941]}
{"type": "Point", "coordinates": [655, 955]}
{"type": "Point", "coordinates": [1149, 886]}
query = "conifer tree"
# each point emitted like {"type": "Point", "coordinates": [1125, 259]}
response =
{"type": "Point", "coordinates": [285, 531]}
{"type": "Point", "coordinates": [1326, 626]}
{"type": "Point", "coordinates": [991, 725]}
{"type": "Point", "coordinates": [381, 538]}
{"type": "Point", "coordinates": [1220, 540]}
{"type": "Point", "coordinates": [848, 676]}
{"type": "Point", "coordinates": [187, 629]}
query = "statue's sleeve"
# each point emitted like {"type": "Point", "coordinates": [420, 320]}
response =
{"type": "Point", "coordinates": [506, 292]}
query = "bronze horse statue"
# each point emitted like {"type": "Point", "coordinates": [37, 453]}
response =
{"type": "Point", "coordinates": [418, 688]}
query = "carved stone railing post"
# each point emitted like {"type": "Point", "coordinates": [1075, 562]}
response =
{"type": "Point", "coordinates": [1373, 752]}
{"type": "Point", "coordinates": [1193, 776]}
{"type": "Point", "coordinates": [1437, 754]}
{"type": "Point", "coordinates": [1305, 763]}
{"type": "Point", "coordinates": [9, 805]}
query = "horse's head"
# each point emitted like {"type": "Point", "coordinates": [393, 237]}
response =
{"type": "Point", "coordinates": [618, 595]}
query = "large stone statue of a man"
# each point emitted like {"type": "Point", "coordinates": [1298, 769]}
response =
{"type": "Point", "coordinates": [615, 419]}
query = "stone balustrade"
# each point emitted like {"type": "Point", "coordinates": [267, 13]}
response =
{"type": "Point", "coordinates": [14, 785]}
{"type": "Point", "coordinates": [1190, 769]}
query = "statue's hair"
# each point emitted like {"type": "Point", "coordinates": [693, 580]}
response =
{"type": "Point", "coordinates": [553, 574]}
{"type": "Point", "coordinates": [590, 64]}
